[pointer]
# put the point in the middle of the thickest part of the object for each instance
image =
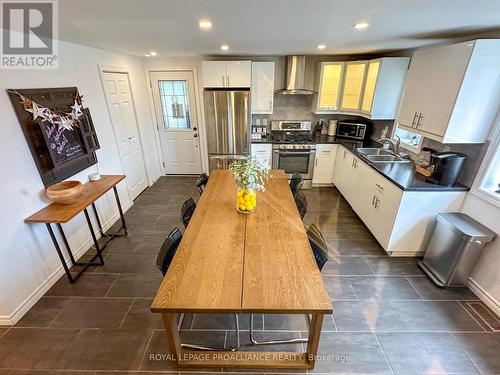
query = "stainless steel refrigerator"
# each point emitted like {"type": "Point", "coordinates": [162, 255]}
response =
{"type": "Point", "coordinates": [227, 115]}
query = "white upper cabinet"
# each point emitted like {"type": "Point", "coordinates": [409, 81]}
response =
{"type": "Point", "coordinates": [330, 79]}
{"type": "Point", "coordinates": [238, 73]}
{"type": "Point", "coordinates": [217, 74]}
{"type": "Point", "coordinates": [370, 89]}
{"type": "Point", "coordinates": [262, 90]}
{"type": "Point", "coordinates": [214, 73]}
{"type": "Point", "coordinates": [384, 83]}
{"type": "Point", "coordinates": [452, 92]}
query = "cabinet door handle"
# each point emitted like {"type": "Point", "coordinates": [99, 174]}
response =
{"type": "Point", "coordinates": [376, 202]}
{"type": "Point", "coordinates": [413, 122]}
{"type": "Point", "coordinates": [223, 81]}
{"type": "Point", "coordinates": [227, 78]}
{"type": "Point", "coordinates": [380, 186]}
{"type": "Point", "coordinates": [270, 104]}
{"type": "Point", "coordinates": [316, 162]}
{"type": "Point", "coordinates": [373, 200]}
{"type": "Point", "coordinates": [420, 117]}
{"type": "Point", "coordinates": [345, 153]}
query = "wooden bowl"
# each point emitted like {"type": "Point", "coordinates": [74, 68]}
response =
{"type": "Point", "coordinates": [66, 192]}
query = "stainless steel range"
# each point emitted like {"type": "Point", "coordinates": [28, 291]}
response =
{"type": "Point", "coordinates": [294, 149]}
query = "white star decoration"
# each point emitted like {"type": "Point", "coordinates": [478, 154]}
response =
{"type": "Point", "coordinates": [62, 120]}
{"type": "Point", "coordinates": [77, 109]}
{"type": "Point", "coordinates": [37, 111]}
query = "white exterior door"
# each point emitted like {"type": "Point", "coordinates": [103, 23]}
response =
{"type": "Point", "coordinates": [121, 109]}
{"type": "Point", "coordinates": [175, 104]}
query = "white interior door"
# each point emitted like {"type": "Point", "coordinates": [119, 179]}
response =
{"type": "Point", "coordinates": [121, 109]}
{"type": "Point", "coordinates": [175, 104]}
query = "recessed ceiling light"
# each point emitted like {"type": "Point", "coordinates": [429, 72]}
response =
{"type": "Point", "coordinates": [361, 25]}
{"type": "Point", "coordinates": [321, 46]}
{"type": "Point", "coordinates": [147, 55]}
{"type": "Point", "coordinates": [153, 53]}
{"type": "Point", "coordinates": [224, 47]}
{"type": "Point", "coordinates": [205, 24]}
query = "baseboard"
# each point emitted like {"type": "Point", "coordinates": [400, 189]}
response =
{"type": "Point", "coordinates": [29, 302]}
{"type": "Point", "coordinates": [484, 296]}
{"type": "Point", "coordinates": [411, 254]}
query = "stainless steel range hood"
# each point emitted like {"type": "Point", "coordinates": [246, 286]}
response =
{"type": "Point", "coordinates": [295, 76]}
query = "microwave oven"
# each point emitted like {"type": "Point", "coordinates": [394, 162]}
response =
{"type": "Point", "coordinates": [352, 130]}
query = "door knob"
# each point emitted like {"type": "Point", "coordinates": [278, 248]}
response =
{"type": "Point", "coordinates": [195, 128]}
{"type": "Point", "coordinates": [195, 135]}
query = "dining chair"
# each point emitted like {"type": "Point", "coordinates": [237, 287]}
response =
{"type": "Point", "coordinates": [318, 245]}
{"type": "Point", "coordinates": [296, 182]}
{"type": "Point", "coordinates": [201, 182]}
{"type": "Point", "coordinates": [167, 250]}
{"type": "Point", "coordinates": [187, 211]}
{"type": "Point", "coordinates": [320, 252]}
{"type": "Point", "coordinates": [301, 203]}
{"type": "Point", "coordinates": [163, 261]}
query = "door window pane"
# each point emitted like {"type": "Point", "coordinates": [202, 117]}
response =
{"type": "Point", "coordinates": [174, 104]}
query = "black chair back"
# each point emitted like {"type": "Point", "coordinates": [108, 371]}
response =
{"type": "Point", "coordinates": [295, 182]}
{"type": "Point", "coordinates": [301, 202]}
{"type": "Point", "coordinates": [167, 250]}
{"type": "Point", "coordinates": [187, 211]}
{"type": "Point", "coordinates": [201, 182]}
{"type": "Point", "coordinates": [318, 245]}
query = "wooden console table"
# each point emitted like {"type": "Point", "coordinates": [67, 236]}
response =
{"type": "Point", "coordinates": [56, 213]}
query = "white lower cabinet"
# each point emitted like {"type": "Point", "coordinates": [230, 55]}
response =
{"type": "Point", "coordinates": [401, 221]}
{"type": "Point", "coordinates": [324, 164]}
{"type": "Point", "coordinates": [263, 153]}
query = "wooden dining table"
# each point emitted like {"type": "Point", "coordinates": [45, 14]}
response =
{"type": "Point", "coordinates": [229, 262]}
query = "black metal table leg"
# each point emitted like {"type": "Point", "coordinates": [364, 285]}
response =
{"type": "Point", "coordinates": [124, 225]}
{"type": "Point", "coordinates": [61, 257]}
{"type": "Point", "coordinates": [99, 225]}
{"type": "Point", "coordinates": [94, 238]}
{"type": "Point", "coordinates": [68, 249]}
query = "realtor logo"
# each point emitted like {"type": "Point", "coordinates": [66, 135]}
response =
{"type": "Point", "coordinates": [29, 34]}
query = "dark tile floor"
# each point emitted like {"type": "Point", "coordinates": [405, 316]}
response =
{"type": "Point", "coordinates": [388, 318]}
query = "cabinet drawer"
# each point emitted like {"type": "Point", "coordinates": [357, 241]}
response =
{"type": "Point", "coordinates": [326, 150]}
{"type": "Point", "coordinates": [262, 151]}
{"type": "Point", "coordinates": [391, 193]}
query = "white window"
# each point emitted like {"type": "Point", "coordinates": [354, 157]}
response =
{"type": "Point", "coordinates": [409, 140]}
{"type": "Point", "coordinates": [487, 184]}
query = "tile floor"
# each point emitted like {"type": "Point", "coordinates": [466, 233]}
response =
{"type": "Point", "coordinates": [388, 318]}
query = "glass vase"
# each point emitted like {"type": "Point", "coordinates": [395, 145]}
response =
{"type": "Point", "coordinates": [246, 200]}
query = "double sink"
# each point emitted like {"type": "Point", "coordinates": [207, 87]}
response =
{"type": "Point", "coordinates": [380, 155]}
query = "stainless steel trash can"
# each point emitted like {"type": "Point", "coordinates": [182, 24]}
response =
{"type": "Point", "coordinates": [454, 248]}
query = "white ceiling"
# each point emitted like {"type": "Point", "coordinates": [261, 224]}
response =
{"type": "Point", "coordinates": [271, 27]}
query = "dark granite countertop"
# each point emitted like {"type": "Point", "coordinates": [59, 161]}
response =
{"type": "Point", "coordinates": [402, 175]}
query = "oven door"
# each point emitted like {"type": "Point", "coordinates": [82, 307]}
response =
{"type": "Point", "coordinates": [295, 161]}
